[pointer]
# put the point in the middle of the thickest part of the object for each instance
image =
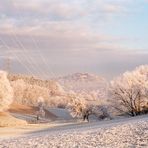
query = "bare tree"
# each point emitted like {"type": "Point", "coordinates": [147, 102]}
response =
{"type": "Point", "coordinates": [129, 91]}
{"type": "Point", "coordinates": [101, 111]}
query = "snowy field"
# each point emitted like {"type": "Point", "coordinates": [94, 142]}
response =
{"type": "Point", "coordinates": [118, 133]}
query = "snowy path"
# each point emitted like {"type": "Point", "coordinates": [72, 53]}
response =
{"type": "Point", "coordinates": [129, 132]}
{"type": "Point", "coordinates": [84, 126]}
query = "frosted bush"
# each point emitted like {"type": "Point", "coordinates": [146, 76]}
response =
{"type": "Point", "coordinates": [6, 91]}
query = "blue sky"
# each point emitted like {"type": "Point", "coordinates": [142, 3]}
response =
{"type": "Point", "coordinates": [58, 37]}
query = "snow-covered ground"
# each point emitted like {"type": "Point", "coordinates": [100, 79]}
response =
{"type": "Point", "coordinates": [118, 133]}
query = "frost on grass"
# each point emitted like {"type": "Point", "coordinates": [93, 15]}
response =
{"type": "Point", "coordinates": [134, 134]}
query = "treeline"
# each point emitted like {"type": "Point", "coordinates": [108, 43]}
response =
{"type": "Point", "coordinates": [126, 94]}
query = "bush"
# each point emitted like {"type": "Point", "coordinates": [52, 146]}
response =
{"type": "Point", "coordinates": [6, 92]}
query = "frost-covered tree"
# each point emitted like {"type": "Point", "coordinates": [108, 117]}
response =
{"type": "Point", "coordinates": [28, 89]}
{"type": "Point", "coordinates": [79, 106]}
{"type": "Point", "coordinates": [76, 105]}
{"type": "Point", "coordinates": [130, 91]}
{"type": "Point", "coordinates": [54, 87]}
{"type": "Point", "coordinates": [28, 94]}
{"type": "Point", "coordinates": [6, 91]}
{"type": "Point", "coordinates": [19, 87]}
{"type": "Point", "coordinates": [82, 108]}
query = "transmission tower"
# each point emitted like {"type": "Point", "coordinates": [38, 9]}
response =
{"type": "Point", "coordinates": [7, 65]}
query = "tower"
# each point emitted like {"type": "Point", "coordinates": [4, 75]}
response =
{"type": "Point", "coordinates": [7, 65]}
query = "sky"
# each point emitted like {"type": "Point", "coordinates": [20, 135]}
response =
{"type": "Point", "coordinates": [51, 38]}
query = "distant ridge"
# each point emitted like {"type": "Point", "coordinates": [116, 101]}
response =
{"type": "Point", "coordinates": [82, 82]}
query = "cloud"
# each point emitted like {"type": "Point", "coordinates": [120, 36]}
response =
{"type": "Point", "coordinates": [68, 34]}
{"type": "Point", "coordinates": [58, 36]}
{"type": "Point", "coordinates": [59, 10]}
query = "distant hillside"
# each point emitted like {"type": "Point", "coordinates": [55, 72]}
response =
{"type": "Point", "coordinates": [82, 82]}
{"type": "Point", "coordinates": [90, 86]}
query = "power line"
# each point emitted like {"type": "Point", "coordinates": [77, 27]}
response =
{"type": "Point", "coordinates": [26, 67]}
{"type": "Point", "coordinates": [20, 44]}
{"type": "Point", "coordinates": [42, 58]}
{"type": "Point", "coordinates": [40, 54]}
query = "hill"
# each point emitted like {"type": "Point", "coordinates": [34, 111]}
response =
{"type": "Point", "coordinates": [82, 82]}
